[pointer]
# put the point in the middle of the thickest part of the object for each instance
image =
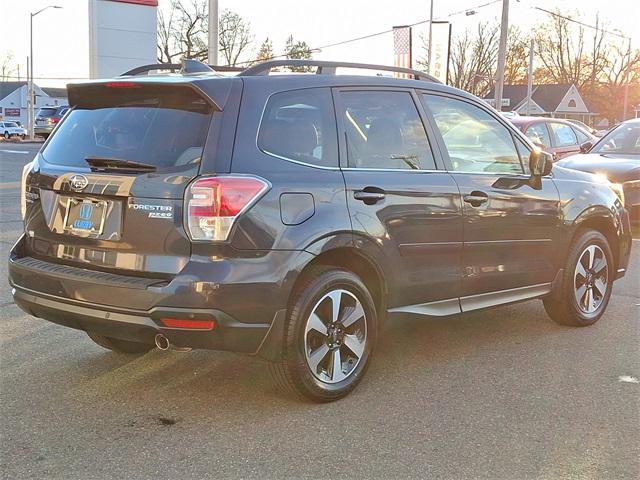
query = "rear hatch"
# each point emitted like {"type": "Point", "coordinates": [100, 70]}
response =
{"type": "Point", "coordinates": [106, 191]}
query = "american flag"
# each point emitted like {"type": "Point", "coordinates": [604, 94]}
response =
{"type": "Point", "coordinates": [402, 49]}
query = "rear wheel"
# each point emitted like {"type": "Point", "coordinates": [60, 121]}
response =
{"type": "Point", "coordinates": [586, 284]}
{"type": "Point", "coordinates": [6, 135]}
{"type": "Point", "coordinates": [329, 337]}
{"type": "Point", "coordinates": [118, 345]}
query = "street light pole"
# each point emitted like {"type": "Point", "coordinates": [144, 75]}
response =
{"type": "Point", "coordinates": [213, 32]}
{"type": "Point", "coordinates": [502, 53]}
{"type": "Point", "coordinates": [430, 37]}
{"type": "Point", "coordinates": [31, 88]}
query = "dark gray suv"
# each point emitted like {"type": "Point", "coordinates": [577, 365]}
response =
{"type": "Point", "coordinates": [288, 216]}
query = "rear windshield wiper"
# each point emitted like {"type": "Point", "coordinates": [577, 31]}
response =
{"type": "Point", "coordinates": [103, 164]}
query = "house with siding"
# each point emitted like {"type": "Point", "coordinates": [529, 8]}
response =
{"type": "Point", "coordinates": [13, 100]}
{"type": "Point", "coordinates": [553, 100]}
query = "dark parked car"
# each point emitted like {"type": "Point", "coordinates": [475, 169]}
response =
{"type": "Point", "coordinates": [558, 137]}
{"type": "Point", "coordinates": [617, 157]}
{"type": "Point", "coordinates": [287, 216]}
{"type": "Point", "coordinates": [47, 119]}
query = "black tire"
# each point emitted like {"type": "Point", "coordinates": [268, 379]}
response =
{"type": "Point", "coordinates": [23, 137]}
{"type": "Point", "coordinates": [120, 346]}
{"type": "Point", "coordinates": [293, 374]}
{"type": "Point", "coordinates": [562, 306]}
{"type": "Point", "coordinates": [6, 135]}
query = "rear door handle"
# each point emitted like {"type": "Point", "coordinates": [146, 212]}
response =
{"type": "Point", "coordinates": [476, 198]}
{"type": "Point", "coordinates": [369, 195]}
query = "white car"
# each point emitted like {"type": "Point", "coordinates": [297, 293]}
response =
{"type": "Point", "coordinates": [11, 129]}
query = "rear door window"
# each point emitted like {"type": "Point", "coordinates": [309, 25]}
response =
{"type": "Point", "coordinates": [165, 129]}
{"type": "Point", "coordinates": [384, 131]}
{"type": "Point", "coordinates": [299, 125]}
{"type": "Point", "coordinates": [563, 135]}
{"type": "Point", "coordinates": [539, 134]}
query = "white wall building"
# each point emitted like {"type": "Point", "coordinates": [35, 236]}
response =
{"type": "Point", "coordinates": [13, 100]}
{"type": "Point", "coordinates": [122, 35]}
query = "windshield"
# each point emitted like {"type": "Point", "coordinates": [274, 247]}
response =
{"type": "Point", "coordinates": [163, 132]}
{"type": "Point", "coordinates": [625, 139]}
{"type": "Point", "coordinates": [11, 125]}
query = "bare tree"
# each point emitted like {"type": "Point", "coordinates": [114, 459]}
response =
{"type": "Point", "coordinates": [235, 36]}
{"type": "Point", "coordinates": [183, 32]}
{"type": "Point", "coordinates": [563, 51]}
{"type": "Point", "coordinates": [473, 59]}
{"type": "Point", "coordinates": [7, 67]}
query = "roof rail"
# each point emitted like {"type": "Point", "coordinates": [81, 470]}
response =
{"type": "Point", "coordinates": [328, 67]}
{"type": "Point", "coordinates": [187, 66]}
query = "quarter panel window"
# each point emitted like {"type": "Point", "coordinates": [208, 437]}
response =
{"type": "Point", "coordinates": [563, 135]}
{"type": "Point", "coordinates": [384, 130]}
{"type": "Point", "coordinates": [300, 125]}
{"type": "Point", "coordinates": [581, 136]}
{"type": "Point", "coordinates": [476, 141]}
{"type": "Point", "coordinates": [539, 134]}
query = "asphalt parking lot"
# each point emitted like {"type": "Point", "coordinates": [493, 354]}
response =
{"type": "Point", "coordinates": [502, 394]}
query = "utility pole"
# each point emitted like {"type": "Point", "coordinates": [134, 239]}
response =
{"type": "Point", "coordinates": [626, 82]}
{"type": "Point", "coordinates": [530, 77]}
{"type": "Point", "coordinates": [502, 54]}
{"type": "Point", "coordinates": [31, 112]}
{"type": "Point", "coordinates": [213, 32]}
{"type": "Point", "coordinates": [430, 38]}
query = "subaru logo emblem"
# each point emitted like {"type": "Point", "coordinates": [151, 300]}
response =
{"type": "Point", "coordinates": [78, 182]}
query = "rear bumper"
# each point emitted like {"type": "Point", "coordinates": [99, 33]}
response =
{"type": "Point", "coordinates": [142, 326]}
{"type": "Point", "coordinates": [131, 308]}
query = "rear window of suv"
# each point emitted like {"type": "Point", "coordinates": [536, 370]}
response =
{"type": "Point", "coordinates": [47, 112]}
{"type": "Point", "coordinates": [299, 125]}
{"type": "Point", "coordinates": [162, 129]}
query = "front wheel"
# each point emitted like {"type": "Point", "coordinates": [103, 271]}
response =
{"type": "Point", "coordinates": [586, 285]}
{"type": "Point", "coordinates": [329, 337]}
{"type": "Point", "coordinates": [6, 135]}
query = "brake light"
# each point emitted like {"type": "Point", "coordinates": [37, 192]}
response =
{"type": "Point", "coordinates": [23, 189]}
{"type": "Point", "coordinates": [214, 204]}
{"type": "Point", "coordinates": [121, 85]}
{"type": "Point", "coordinates": [55, 119]}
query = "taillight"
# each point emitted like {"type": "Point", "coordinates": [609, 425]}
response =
{"type": "Point", "coordinates": [214, 203]}
{"type": "Point", "coordinates": [23, 189]}
{"type": "Point", "coordinates": [55, 119]}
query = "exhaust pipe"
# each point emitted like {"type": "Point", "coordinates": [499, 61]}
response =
{"type": "Point", "coordinates": [162, 342]}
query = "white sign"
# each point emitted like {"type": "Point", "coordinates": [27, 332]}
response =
{"type": "Point", "coordinates": [439, 50]}
{"type": "Point", "coordinates": [122, 36]}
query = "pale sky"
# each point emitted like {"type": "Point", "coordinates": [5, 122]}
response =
{"type": "Point", "coordinates": [61, 36]}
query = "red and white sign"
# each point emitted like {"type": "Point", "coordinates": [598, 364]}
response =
{"type": "Point", "coordinates": [402, 49]}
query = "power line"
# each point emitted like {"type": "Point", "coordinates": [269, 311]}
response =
{"type": "Point", "coordinates": [384, 32]}
{"type": "Point", "coordinates": [569, 19]}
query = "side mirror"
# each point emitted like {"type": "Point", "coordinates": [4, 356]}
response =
{"type": "Point", "coordinates": [586, 146]}
{"type": "Point", "coordinates": [540, 163]}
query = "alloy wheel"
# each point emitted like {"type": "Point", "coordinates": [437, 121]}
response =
{"type": "Point", "coordinates": [335, 336]}
{"type": "Point", "coordinates": [590, 279]}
